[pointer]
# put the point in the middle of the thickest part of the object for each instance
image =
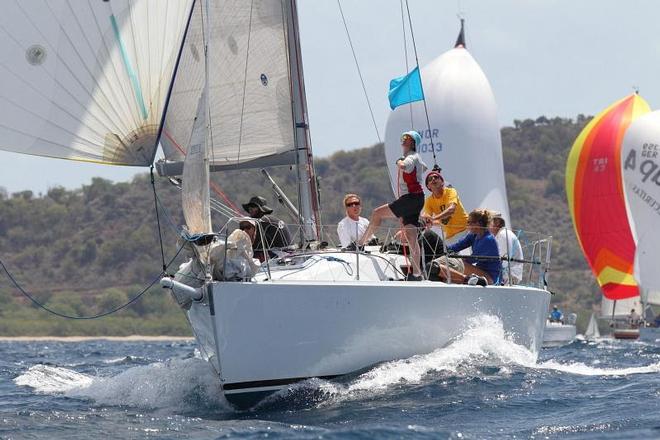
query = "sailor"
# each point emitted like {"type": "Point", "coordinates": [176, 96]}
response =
{"type": "Point", "coordinates": [351, 227]}
{"type": "Point", "coordinates": [443, 210]}
{"type": "Point", "coordinates": [556, 315]}
{"type": "Point", "coordinates": [634, 318]}
{"type": "Point", "coordinates": [480, 271]}
{"type": "Point", "coordinates": [408, 205]}
{"type": "Point", "coordinates": [508, 245]}
{"type": "Point", "coordinates": [276, 233]}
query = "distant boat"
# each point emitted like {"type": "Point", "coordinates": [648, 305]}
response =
{"type": "Point", "coordinates": [557, 334]}
{"type": "Point", "coordinates": [640, 165]}
{"type": "Point", "coordinates": [597, 204]}
{"type": "Point", "coordinates": [592, 331]}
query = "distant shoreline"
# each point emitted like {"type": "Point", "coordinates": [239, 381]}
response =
{"type": "Point", "coordinates": [92, 338]}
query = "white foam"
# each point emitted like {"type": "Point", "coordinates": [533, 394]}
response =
{"type": "Point", "coordinates": [47, 379]}
{"type": "Point", "coordinates": [177, 384]}
{"type": "Point", "coordinates": [578, 368]}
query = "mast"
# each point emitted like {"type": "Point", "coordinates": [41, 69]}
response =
{"type": "Point", "coordinates": [308, 200]}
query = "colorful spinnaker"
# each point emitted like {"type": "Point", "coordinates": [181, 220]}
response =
{"type": "Point", "coordinates": [596, 200]}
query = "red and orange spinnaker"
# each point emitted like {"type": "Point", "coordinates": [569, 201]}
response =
{"type": "Point", "coordinates": [595, 197]}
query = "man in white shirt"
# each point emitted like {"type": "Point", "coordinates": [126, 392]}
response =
{"type": "Point", "coordinates": [352, 227]}
{"type": "Point", "coordinates": [508, 246]}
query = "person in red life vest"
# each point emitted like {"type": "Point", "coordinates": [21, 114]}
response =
{"type": "Point", "coordinates": [410, 200]}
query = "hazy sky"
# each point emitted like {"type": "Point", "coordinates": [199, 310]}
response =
{"type": "Point", "coordinates": [542, 57]}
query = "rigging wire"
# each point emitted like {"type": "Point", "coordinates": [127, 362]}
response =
{"type": "Point", "coordinates": [357, 65]}
{"type": "Point", "coordinates": [405, 53]}
{"type": "Point", "coordinates": [160, 235]}
{"type": "Point", "coordinates": [426, 110]}
{"type": "Point", "coordinates": [100, 315]}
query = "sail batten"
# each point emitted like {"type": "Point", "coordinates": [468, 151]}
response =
{"type": "Point", "coordinates": [87, 80]}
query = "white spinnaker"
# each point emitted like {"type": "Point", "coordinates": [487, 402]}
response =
{"type": "Point", "coordinates": [622, 309]}
{"type": "Point", "coordinates": [249, 86]}
{"type": "Point", "coordinates": [87, 80]}
{"type": "Point", "coordinates": [640, 162]}
{"type": "Point", "coordinates": [464, 128]}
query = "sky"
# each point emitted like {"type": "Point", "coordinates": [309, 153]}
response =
{"type": "Point", "coordinates": [542, 57]}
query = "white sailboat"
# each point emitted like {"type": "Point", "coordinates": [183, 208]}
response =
{"type": "Point", "coordinates": [592, 332]}
{"type": "Point", "coordinates": [640, 164]}
{"type": "Point", "coordinates": [220, 83]}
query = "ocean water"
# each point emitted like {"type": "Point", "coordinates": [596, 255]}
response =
{"type": "Point", "coordinates": [481, 386]}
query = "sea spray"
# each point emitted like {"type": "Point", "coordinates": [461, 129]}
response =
{"type": "Point", "coordinates": [177, 384]}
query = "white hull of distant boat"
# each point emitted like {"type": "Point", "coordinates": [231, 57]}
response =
{"type": "Point", "coordinates": [263, 336]}
{"type": "Point", "coordinates": [557, 334]}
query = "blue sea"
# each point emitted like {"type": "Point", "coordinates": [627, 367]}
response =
{"type": "Point", "coordinates": [481, 386]}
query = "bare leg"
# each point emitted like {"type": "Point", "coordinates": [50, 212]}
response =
{"type": "Point", "coordinates": [454, 275]}
{"type": "Point", "coordinates": [470, 269]}
{"type": "Point", "coordinates": [377, 217]}
{"type": "Point", "coordinates": [462, 277]}
{"type": "Point", "coordinates": [413, 244]}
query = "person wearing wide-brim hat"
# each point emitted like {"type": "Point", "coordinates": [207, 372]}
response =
{"type": "Point", "coordinates": [276, 233]}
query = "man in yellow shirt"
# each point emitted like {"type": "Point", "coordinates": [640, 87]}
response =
{"type": "Point", "coordinates": [443, 210]}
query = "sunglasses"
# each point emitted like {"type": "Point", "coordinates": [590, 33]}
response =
{"type": "Point", "coordinates": [434, 178]}
{"type": "Point", "coordinates": [352, 204]}
{"type": "Point", "coordinates": [405, 138]}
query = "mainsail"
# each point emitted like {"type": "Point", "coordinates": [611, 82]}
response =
{"type": "Point", "coordinates": [463, 126]}
{"type": "Point", "coordinates": [87, 80]}
{"type": "Point", "coordinates": [640, 164]}
{"type": "Point", "coordinates": [250, 95]}
{"type": "Point", "coordinates": [596, 201]}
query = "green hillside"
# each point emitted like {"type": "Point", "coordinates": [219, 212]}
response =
{"type": "Point", "coordinates": [87, 250]}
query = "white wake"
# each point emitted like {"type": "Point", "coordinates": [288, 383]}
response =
{"type": "Point", "coordinates": [177, 384]}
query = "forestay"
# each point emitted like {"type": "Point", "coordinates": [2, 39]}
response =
{"type": "Point", "coordinates": [87, 80]}
{"type": "Point", "coordinates": [250, 113]}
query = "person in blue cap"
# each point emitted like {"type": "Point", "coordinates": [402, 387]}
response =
{"type": "Point", "coordinates": [409, 203]}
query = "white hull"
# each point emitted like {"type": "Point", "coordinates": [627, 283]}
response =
{"type": "Point", "coordinates": [261, 337]}
{"type": "Point", "coordinates": [558, 334]}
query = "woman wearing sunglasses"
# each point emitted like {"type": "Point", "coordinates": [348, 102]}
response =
{"type": "Point", "coordinates": [410, 200]}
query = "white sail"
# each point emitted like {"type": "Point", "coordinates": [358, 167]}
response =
{"type": "Point", "coordinates": [622, 308]}
{"type": "Point", "coordinates": [592, 331]}
{"type": "Point", "coordinates": [250, 115]}
{"type": "Point", "coordinates": [87, 80]}
{"type": "Point", "coordinates": [195, 186]}
{"type": "Point", "coordinates": [464, 129]}
{"type": "Point", "coordinates": [640, 162]}
{"type": "Point", "coordinates": [651, 297]}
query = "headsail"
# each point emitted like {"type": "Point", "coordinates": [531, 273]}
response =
{"type": "Point", "coordinates": [464, 128]}
{"type": "Point", "coordinates": [87, 80]}
{"type": "Point", "coordinates": [595, 197]}
{"type": "Point", "coordinates": [251, 118]}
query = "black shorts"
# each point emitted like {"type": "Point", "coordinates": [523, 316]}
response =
{"type": "Point", "coordinates": [407, 208]}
